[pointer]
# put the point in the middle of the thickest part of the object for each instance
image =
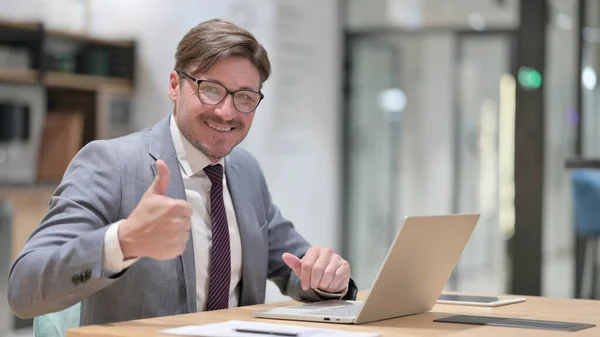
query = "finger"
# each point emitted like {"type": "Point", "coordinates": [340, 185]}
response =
{"type": "Point", "coordinates": [180, 208]}
{"type": "Point", "coordinates": [341, 278]}
{"type": "Point", "coordinates": [161, 181]}
{"type": "Point", "coordinates": [176, 231]}
{"type": "Point", "coordinates": [186, 208]}
{"type": "Point", "coordinates": [176, 249]}
{"type": "Point", "coordinates": [325, 257]}
{"type": "Point", "coordinates": [308, 261]}
{"type": "Point", "coordinates": [187, 224]}
{"type": "Point", "coordinates": [176, 224]}
{"type": "Point", "coordinates": [182, 248]}
{"type": "Point", "coordinates": [184, 237]}
{"type": "Point", "coordinates": [339, 285]}
{"type": "Point", "coordinates": [293, 262]}
{"type": "Point", "coordinates": [329, 272]}
{"type": "Point", "coordinates": [180, 225]}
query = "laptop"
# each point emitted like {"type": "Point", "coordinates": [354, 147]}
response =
{"type": "Point", "coordinates": [414, 272]}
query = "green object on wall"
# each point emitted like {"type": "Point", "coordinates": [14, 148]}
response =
{"type": "Point", "coordinates": [529, 78]}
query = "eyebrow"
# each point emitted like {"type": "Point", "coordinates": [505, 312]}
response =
{"type": "Point", "coordinates": [241, 88]}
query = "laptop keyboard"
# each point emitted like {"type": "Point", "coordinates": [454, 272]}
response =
{"type": "Point", "coordinates": [341, 311]}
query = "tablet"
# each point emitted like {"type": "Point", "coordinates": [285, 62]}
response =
{"type": "Point", "coordinates": [482, 301]}
{"type": "Point", "coordinates": [515, 323]}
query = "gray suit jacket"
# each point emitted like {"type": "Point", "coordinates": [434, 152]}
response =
{"type": "Point", "coordinates": [61, 263]}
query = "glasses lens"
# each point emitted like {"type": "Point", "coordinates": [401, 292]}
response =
{"type": "Point", "coordinates": [246, 101]}
{"type": "Point", "coordinates": [211, 93]}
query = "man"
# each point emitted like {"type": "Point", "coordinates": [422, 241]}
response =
{"type": "Point", "coordinates": [175, 219]}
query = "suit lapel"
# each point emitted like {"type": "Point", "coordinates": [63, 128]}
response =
{"type": "Point", "coordinates": [249, 235]}
{"type": "Point", "coordinates": [161, 147]}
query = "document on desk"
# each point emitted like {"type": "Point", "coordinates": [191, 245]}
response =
{"type": "Point", "coordinates": [258, 329]}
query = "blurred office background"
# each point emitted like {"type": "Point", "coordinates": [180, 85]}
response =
{"type": "Point", "coordinates": [377, 109]}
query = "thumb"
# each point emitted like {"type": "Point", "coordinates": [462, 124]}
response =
{"type": "Point", "coordinates": [293, 262]}
{"type": "Point", "coordinates": [161, 182]}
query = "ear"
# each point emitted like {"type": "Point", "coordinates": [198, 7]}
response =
{"type": "Point", "coordinates": [173, 86]}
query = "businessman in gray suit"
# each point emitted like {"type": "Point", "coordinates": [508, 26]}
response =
{"type": "Point", "coordinates": [175, 219]}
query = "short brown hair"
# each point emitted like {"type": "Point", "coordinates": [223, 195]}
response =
{"type": "Point", "coordinates": [212, 40]}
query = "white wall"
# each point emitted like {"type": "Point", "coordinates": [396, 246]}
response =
{"type": "Point", "coordinates": [296, 139]}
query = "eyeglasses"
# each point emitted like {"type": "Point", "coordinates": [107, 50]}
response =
{"type": "Point", "coordinates": [213, 93]}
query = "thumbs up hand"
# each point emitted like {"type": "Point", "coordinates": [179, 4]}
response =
{"type": "Point", "coordinates": [159, 226]}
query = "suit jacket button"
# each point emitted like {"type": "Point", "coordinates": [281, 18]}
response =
{"type": "Point", "coordinates": [76, 279]}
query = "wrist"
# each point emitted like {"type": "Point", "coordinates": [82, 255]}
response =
{"type": "Point", "coordinates": [126, 241]}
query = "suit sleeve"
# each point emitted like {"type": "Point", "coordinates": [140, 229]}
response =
{"type": "Point", "coordinates": [62, 261]}
{"type": "Point", "coordinates": [283, 238]}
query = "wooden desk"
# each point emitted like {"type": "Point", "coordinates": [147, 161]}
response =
{"type": "Point", "coordinates": [581, 311]}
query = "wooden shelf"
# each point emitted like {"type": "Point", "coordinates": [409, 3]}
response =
{"type": "Point", "coordinates": [67, 80]}
{"type": "Point", "coordinates": [16, 75]}
{"type": "Point", "coordinates": [112, 59]}
{"type": "Point", "coordinates": [53, 33]}
{"type": "Point", "coordinates": [76, 73]}
{"type": "Point", "coordinates": [60, 34]}
{"type": "Point", "coordinates": [30, 26]}
{"type": "Point", "coordinates": [87, 82]}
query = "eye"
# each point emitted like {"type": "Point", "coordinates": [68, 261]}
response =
{"type": "Point", "coordinates": [247, 96]}
{"type": "Point", "coordinates": [211, 88]}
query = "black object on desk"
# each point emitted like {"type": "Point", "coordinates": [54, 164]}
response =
{"type": "Point", "coordinates": [515, 323]}
{"type": "Point", "coordinates": [261, 332]}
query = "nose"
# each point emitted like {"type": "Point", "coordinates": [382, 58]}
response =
{"type": "Point", "coordinates": [226, 110]}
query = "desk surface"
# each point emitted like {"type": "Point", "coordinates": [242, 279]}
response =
{"type": "Point", "coordinates": [572, 310]}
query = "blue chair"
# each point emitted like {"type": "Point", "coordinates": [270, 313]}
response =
{"type": "Point", "coordinates": [586, 192]}
{"type": "Point", "coordinates": [56, 324]}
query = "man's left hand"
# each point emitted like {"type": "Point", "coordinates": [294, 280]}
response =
{"type": "Point", "coordinates": [320, 268]}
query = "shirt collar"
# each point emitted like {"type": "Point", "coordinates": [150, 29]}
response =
{"type": "Point", "coordinates": [191, 159]}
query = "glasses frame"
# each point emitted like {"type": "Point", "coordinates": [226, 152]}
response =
{"type": "Point", "coordinates": [228, 92]}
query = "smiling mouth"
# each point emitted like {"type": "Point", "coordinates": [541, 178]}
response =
{"type": "Point", "coordinates": [219, 128]}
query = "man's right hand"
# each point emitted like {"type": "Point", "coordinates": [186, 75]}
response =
{"type": "Point", "coordinates": [159, 226]}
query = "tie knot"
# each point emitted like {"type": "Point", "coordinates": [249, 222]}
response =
{"type": "Point", "coordinates": [214, 173]}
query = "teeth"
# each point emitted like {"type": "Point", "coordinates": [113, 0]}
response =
{"type": "Point", "coordinates": [219, 128]}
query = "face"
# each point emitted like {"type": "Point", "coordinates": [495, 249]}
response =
{"type": "Point", "coordinates": [214, 129]}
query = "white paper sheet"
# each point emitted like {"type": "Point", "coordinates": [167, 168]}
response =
{"type": "Point", "coordinates": [228, 329]}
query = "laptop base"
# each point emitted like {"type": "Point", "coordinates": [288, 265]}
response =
{"type": "Point", "coordinates": [333, 311]}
